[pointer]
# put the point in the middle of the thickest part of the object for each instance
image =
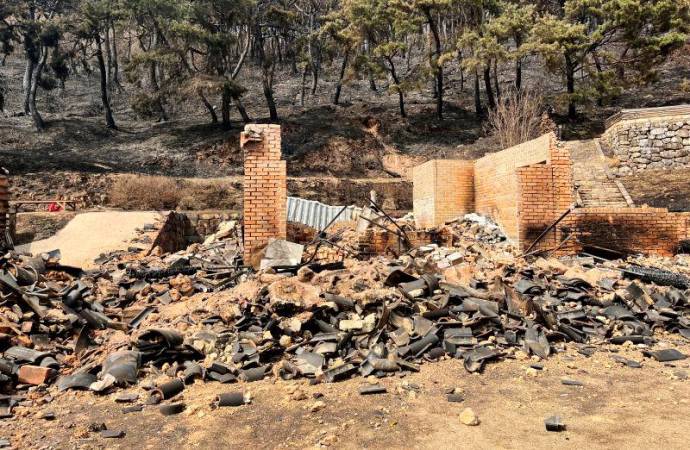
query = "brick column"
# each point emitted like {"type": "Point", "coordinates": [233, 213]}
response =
{"type": "Point", "coordinates": [4, 207]}
{"type": "Point", "coordinates": [545, 191]}
{"type": "Point", "coordinates": [265, 187]}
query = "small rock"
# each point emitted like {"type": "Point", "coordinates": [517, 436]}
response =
{"type": "Point", "coordinates": [285, 341]}
{"type": "Point", "coordinates": [679, 375]}
{"type": "Point", "coordinates": [554, 423]}
{"type": "Point", "coordinates": [328, 440]}
{"type": "Point", "coordinates": [469, 418]}
{"type": "Point", "coordinates": [48, 415]}
{"type": "Point", "coordinates": [317, 406]}
{"type": "Point", "coordinates": [95, 427]}
{"type": "Point", "coordinates": [299, 395]}
{"type": "Point", "coordinates": [112, 434]}
{"type": "Point", "coordinates": [455, 398]}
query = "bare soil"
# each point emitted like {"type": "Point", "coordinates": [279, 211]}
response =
{"type": "Point", "coordinates": [618, 407]}
{"type": "Point", "coordinates": [34, 226]}
{"type": "Point", "coordinates": [91, 234]}
{"type": "Point", "coordinates": [660, 188]}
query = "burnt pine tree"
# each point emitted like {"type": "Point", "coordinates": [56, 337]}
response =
{"type": "Point", "coordinates": [591, 40]}
{"type": "Point", "coordinates": [36, 25]}
{"type": "Point", "coordinates": [96, 18]}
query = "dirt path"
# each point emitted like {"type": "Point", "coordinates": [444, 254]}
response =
{"type": "Point", "coordinates": [617, 407]}
{"type": "Point", "coordinates": [89, 234]}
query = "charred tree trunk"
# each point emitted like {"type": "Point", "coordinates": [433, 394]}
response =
{"type": "Point", "coordinates": [487, 86]}
{"type": "Point", "coordinates": [303, 86]}
{"type": "Point", "coordinates": [26, 83]}
{"type": "Point", "coordinates": [341, 77]}
{"type": "Point", "coordinates": [477, 95]}
{"type": "Point", "coordinates": [462, 72]}
{"type": "Point", "coordinates": [314, 56]}
{"type": "Point", "coordinates": [570, 86]}
{"type": "Point", "coordinates": [518, 65]}
{"type": "Point", "coordinates": [32, 57]}
{"type": "Point", "coordinates": [116, 64]}
{"type": "Point", "coordinates": [39, 124]}
{"type": "Point", "coordinates": [518, 74]}
{"type": "Point", "coordinates": [370, 73]}
{"type": "Point", "coordinates": [597, 64]}
{"type": "Point", "coordinates": [153, 75]}
{"type": "Point", "coordinates": [225, 108]}
{"type": "Point", "coordinates": [109, 121]}
{"type": "Point", "coordinates": [267, 81]}
{"type": "Point", "coordinates": [267, 67]}
{"type": "Point", "coordinates": [396, 80]}
{"type": "Point", "coordinates": [496, 84]}
{"type": "Point", "coordinates": [208, 106]}
{"type": "Point", "coordinates": [436, 66]}
{"type": "Point", "coordinates": [621, 67]}
{"type": "Point", "coordinates": [109, 58]}
{"type": "Point", "coordinates": [241, 109]}
{"type": "Point", "coordinates": [314, 77]}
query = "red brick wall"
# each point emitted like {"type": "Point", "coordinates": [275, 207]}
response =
{"type": "Point", "coordinates": [526, 188]}
{"type": "Point", "coordinates": [545, 192]}
{"type": "Point", "coordinates": [4, 205]}
{"type": "Point", "coordinates": [265, 191]}
{"type": "Point", "coordinates": [442, 191]}
{"type": "Point", "coordinates": [497, 184]}
{"type": "Point", "coordinates": [631, 230]}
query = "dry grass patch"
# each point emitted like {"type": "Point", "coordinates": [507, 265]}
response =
{"type": "Point", "coordinates": [144, 192]}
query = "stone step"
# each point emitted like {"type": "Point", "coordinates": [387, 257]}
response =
{"type": "Point", "coordinates": [591, 177]}
{"type": "Point", "coordinates": [600, 193]}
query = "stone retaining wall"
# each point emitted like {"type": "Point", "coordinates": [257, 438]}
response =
{"type": "Point", "coordinates": [642, 144]}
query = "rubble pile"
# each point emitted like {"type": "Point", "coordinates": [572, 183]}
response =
{"type": "Point", "coordinates": [56, 319]}
{"type": "Point", "coordinates": [480, 228]}
{"type": "Point", "coordinates": [199, 314]}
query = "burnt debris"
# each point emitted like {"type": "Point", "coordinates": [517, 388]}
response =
{"type": "Point", "coordinates": [473, 300]}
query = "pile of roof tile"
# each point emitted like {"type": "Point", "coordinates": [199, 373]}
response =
{"type": "Point", "coordinates": [476, 302]}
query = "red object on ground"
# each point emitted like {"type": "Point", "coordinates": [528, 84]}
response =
{"type": "Point", "coordinates": [54, 207]}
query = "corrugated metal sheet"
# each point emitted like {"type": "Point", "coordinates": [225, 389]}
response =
{"type": "Point", "coordinates": [316, 214]}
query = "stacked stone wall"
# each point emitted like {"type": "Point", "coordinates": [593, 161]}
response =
{"type": "Point", "coordinates": [643, 144]}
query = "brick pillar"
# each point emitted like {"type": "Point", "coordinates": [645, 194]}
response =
{"type": "Point", "coordinates": [265, 187]}
{"type": "Point", "coordinates": [4, 207]}
{"type": "Point", "coordinates": [545, 192]}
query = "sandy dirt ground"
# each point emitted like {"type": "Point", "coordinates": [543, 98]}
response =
{"type": "Point", "coordinates": [35, 226]}
{"type": "Point", "coordinates": [617, 407]}
{"type": "Point", "coordinates": [90, 234]}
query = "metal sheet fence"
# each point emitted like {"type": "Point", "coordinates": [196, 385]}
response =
{"type": "Point", "coordinates": [316, 214]}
